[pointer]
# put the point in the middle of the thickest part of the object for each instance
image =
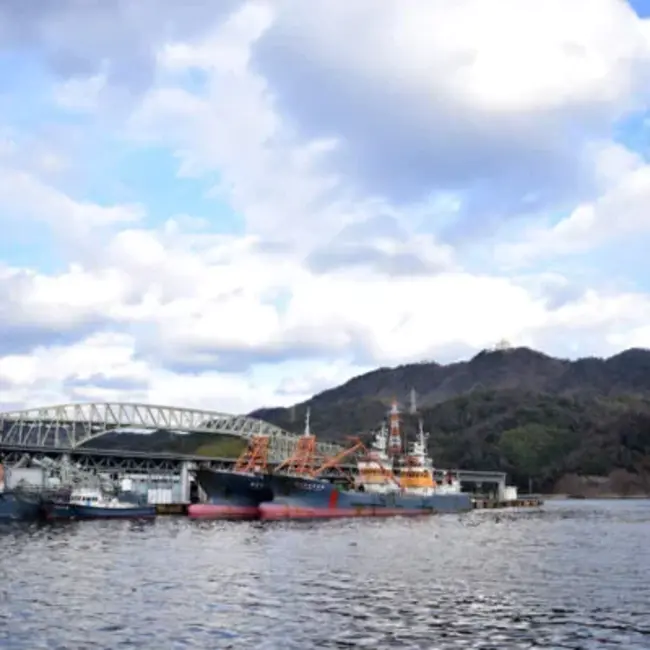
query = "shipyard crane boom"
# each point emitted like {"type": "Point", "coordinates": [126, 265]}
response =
{"type": "Point", "coordinates": [303, 459]}
{"type": "Point", "coordinates": [335, 460]}
{"type": "Point", "coordinates": [255, 457]}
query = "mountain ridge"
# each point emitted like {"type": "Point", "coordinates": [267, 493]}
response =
{"type": "Point", "coordinates": [625, 373]}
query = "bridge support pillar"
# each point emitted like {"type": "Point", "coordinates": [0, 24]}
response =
{"type": "Point", "coordinates": [185, 482]}
{"type": "Point", "coordinates": [501, 493]}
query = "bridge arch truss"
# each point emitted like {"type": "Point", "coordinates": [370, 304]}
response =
{"type": "Point", "coordinates": [70, 426]}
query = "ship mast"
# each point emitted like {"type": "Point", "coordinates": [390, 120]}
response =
{"type": "Point", "coordinates": [422, 436]}
{"type": "Point", "coordinates": [307, 431]}
{"type": "Point", "coordinates": [394, 435]}
{"type": "Point", "coordinates": [303, 459]}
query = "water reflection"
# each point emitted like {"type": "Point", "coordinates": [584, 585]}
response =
{"type": "Point", "coordinates": [573, 575]}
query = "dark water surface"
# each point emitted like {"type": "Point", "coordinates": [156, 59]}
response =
{"type": "Point", "coordinates": [573, 575]}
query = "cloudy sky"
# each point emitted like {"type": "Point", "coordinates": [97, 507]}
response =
{"type": "Point", "coordinates": [237, 204]}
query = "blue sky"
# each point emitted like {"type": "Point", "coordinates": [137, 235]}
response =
{"type": "Point", "coordinates": [235, 208]}
{"type": "Point", "coordinates": [641, 7]}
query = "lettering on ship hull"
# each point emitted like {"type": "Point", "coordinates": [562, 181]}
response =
{"type": "Point", "coordinates": [311, 487]}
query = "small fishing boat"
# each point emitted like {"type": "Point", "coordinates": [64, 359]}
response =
{"type": "Point", "coordinates": [91, 503]}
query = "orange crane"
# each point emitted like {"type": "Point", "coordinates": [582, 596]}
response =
{"type": "Point", "coordinates": [255, 457]}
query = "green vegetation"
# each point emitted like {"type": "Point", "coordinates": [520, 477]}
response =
{"type": "Point", "coordinates": [200, 444]}
{"type": "Point", "coordinates": [540, 437]}
{"type": "Point", "coordinates": [224, 447]}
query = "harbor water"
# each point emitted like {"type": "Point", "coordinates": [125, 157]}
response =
{"type": "Point", "coordinates": [571, 575]}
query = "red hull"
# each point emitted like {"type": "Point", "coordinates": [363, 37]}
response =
{"type": "Point", "coordinates": [273, 511]}
{"type": "Point", "coordinates": [211, 511]}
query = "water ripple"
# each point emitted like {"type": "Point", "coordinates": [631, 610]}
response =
{"type": "Point", "coordinates": [570, 576]}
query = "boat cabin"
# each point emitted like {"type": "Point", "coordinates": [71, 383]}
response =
{"type": "Point", "coordinates": [95, 498]}
{"type": "Point", "coordinates": [375, 469]}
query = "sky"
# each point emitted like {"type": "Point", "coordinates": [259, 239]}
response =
{"type": "Point", "coordinates": [238, 204]}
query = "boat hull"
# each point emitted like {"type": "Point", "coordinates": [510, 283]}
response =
{"type": "Point", "coordinates": [99, 512]}
{"type": "Point", "coordinates": [76, 511]}
{"type": "Point", "coordinates": [55, 510]}
{"type": "Point", "coordinates": [14, 507]}
{"type": "Point", "coordinates": [222, 511]}
{"type": "Point", "coordinates": [304, 498]}
{"type": "Point", "coordinates": [230, 495]}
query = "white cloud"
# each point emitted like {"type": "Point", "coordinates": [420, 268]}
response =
{"type": "Point", "coordinates": [220, 308]}
{"type": "Point", "coordinates": [336, 273]}
{"type": "Point", "coordinates": [497, 99]}
{"type": "Point", "coordinates": [257, 155]}
{"type": "Point", "coordinates": [63, 301]}
{"type": "Point", "coordinates": [621, 212]}
{"type": "Point", "coordinates": [24, 196]}
{"type": "Point", "coordinates": [80, 94]}
{"type": "Point", "coordinates": [509, 56]}
{"type": "Point", "coordinates": [104, 368]}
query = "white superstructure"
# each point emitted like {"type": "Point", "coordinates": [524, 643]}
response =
{"type": "Point", "coordinates": [376, 468]}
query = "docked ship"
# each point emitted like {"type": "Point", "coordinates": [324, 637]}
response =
{"type": "Point", "coordinates": [24, 502]}
{"type": "Point", "coordinates": [236, 494]}
{"type": "Point", "coordinates": [389, 483]}
{"type": "Point", "coordinates": [16, 506]}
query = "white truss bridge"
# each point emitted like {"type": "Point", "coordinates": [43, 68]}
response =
{"type": "Point", "coordinates": [70, 426]}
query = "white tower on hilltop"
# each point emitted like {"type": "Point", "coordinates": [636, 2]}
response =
{"type": "Point", "coordinates": [502, 345]}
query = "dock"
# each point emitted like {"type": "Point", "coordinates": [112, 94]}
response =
{"type": "Point", "coordinates": [172, 508]}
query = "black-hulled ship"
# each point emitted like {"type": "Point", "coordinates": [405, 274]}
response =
{"type": "Point", "coordinates": [15, 506]}
{"type": "Point", "coordinates": [230, 495]}
{"type": "Point", "coordinates": [23, 501]}
{"type": "Point", "coordinates": [235, 494]}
